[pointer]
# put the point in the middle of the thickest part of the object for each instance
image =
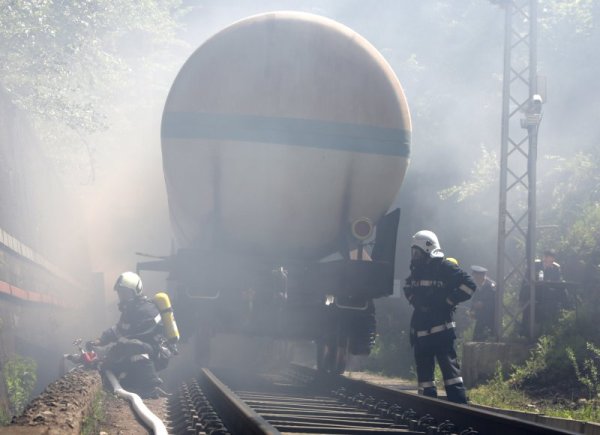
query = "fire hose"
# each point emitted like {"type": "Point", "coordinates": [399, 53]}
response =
{"type": "Point", "coordinates": [155, 423]}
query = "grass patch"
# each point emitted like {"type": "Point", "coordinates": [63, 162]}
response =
{"type": "Point", "coordinates": [92, 421]}
{"type": "Point", "coordinates": [501, 393]}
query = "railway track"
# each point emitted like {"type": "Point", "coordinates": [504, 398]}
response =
{"type": "Point", "coordinates": [303, 401]}
{"type": "Point", "coordinates": [297, 401]}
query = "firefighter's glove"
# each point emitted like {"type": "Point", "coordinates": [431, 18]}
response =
{"type": "Point", "coordinates": [173, 348]}
{"type": "Point", "coordinates": [451, 305]}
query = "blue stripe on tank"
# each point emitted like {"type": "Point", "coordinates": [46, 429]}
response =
{"type": "Point", "coordinates": [287, 131]}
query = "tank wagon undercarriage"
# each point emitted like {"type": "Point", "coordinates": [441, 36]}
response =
{"type": "Point", "coordinates": [330, 302]}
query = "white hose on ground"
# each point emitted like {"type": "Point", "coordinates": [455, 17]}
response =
{"type": "Point", "coordinates": [155, 423]}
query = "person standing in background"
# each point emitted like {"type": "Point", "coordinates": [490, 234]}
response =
{"type": "Point", "coordinates": [547, 269]}
{"type": "Point", "coordinates": [483, 304]}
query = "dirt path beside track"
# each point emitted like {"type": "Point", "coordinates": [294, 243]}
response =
{"type": "Point", "coordinates": [119, 418]}
{"type": "Point", "coordinates": [393, 383]}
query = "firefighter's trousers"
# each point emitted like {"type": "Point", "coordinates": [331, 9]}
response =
{"type": "Point", "coordinates": [130, 360]}
{"type": "Point", "coordinates": [439, 346]}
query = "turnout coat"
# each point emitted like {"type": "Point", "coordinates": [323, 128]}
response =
{"type": "Point", "coordinates": [434, 288]}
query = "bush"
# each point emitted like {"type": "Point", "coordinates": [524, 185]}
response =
{"type": "Point", "coordinates": [20, 376]}
{"type": "Point", "coordinates": [588, 375]}
{"type": "Point", "coordinates": [550, 360]}
{"type": "Point", "coordinates": [498, 392]}
{"type": "Point", "coordinates": [536, 365]}
{"type": "Point", "coordinates": [5, 416]}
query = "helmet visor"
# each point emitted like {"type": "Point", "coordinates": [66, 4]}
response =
{"type": "Point", "coordinates": [417, 253]}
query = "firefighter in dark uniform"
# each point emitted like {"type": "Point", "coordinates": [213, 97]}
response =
{"type": "Point", "coordinates": [434, 288]}
{"type": "Point", "coordinates": [547, 269]}
{"type": "Point", "coordinates": [135, 340]}
{"type": "Point", "coordinates": [551, 296]}
{"type": "Point", "coordinates": [483, 304]}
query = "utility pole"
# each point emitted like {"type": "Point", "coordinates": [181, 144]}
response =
{"type": "Point", "coordinates": [521, 116]}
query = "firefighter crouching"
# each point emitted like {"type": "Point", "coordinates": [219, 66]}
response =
{"type": "Point", "coordinates": [142, 341]}
{"type": "Point", "coordinates": [434, 287]}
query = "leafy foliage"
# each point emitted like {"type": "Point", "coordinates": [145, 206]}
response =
{"type": "Point", "coordinates": [589, 373]}
{"type": "Point", "coordinates": [536, 363]}
{"type": "Point", "coordinates": [569, 193]}
{"type": "Point", "coordinates": [20, 376]}
{"type": "Point", "coordinates": [64, 61]}
{"type": "Point", "coordinates": [501, 393]}
{"type": "Point", "coordinates": [566, 17]}
{"type": "Point", "coordinates": [484, 175]}
{"type": "Point", "coordinates": [391, 355]}
{"type": "Point", "coordinates": [550, 364]}
{"type": "Point", "coordinates": [504, 392]}
{"type": "Point", "coordinates": [5, 416]}
{"type": "Point", "coordinates": [546, 382]}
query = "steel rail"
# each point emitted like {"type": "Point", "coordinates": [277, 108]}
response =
{"type": "Point", "coordinates": [237, 416]}
{"type": "Point", "coordinates": [306, 401]}
{"type": "Point", "coordinates": [463, 416]}
{"type": "Point", "coordinates": [322, 416]}
{"type": "Point", "coordinates": [298, 408]}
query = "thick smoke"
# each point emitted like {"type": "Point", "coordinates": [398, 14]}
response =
{"type": "Point", "coordinates": [448, 57]}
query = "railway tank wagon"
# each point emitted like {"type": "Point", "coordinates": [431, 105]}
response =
{"type": "Point", "coordinates": [285, 138]}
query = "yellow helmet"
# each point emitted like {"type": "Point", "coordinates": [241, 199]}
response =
{"type": "Point", "coordinates": [452, 260]}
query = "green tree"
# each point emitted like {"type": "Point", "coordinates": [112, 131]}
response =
{"type": "Point", "coordinates": [569, 193]}
{"type": "Point", "coordinates": [64, 61]}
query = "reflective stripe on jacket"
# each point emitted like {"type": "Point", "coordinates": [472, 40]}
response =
{"type": "Point", "coordinates": [434, 288]}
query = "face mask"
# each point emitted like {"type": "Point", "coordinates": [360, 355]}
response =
{"type": "Point", "coordinates": [125, 295]}
{"type": "Point", "coordinates": [417, 254]}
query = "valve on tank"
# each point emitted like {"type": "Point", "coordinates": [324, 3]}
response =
{"type": "Point", "coordinates": [362, 228]}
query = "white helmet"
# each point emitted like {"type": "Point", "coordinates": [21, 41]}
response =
{"type": "Point", "coordinates": [428, 242]}
{"type": "Point", "coordinates": [128, 286]}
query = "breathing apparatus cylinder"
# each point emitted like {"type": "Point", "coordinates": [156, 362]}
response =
{"type": "Point", "coordinates": [163, 303]}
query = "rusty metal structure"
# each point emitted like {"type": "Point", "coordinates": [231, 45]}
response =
{"type": "Point", "coordinates": [521, 115]}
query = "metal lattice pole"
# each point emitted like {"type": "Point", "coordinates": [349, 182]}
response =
{"type": "Point", "coordinates": [521, 114]}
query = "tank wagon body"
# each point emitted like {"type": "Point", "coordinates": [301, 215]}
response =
{"type": "Point", "coordinates": [285, 138]}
